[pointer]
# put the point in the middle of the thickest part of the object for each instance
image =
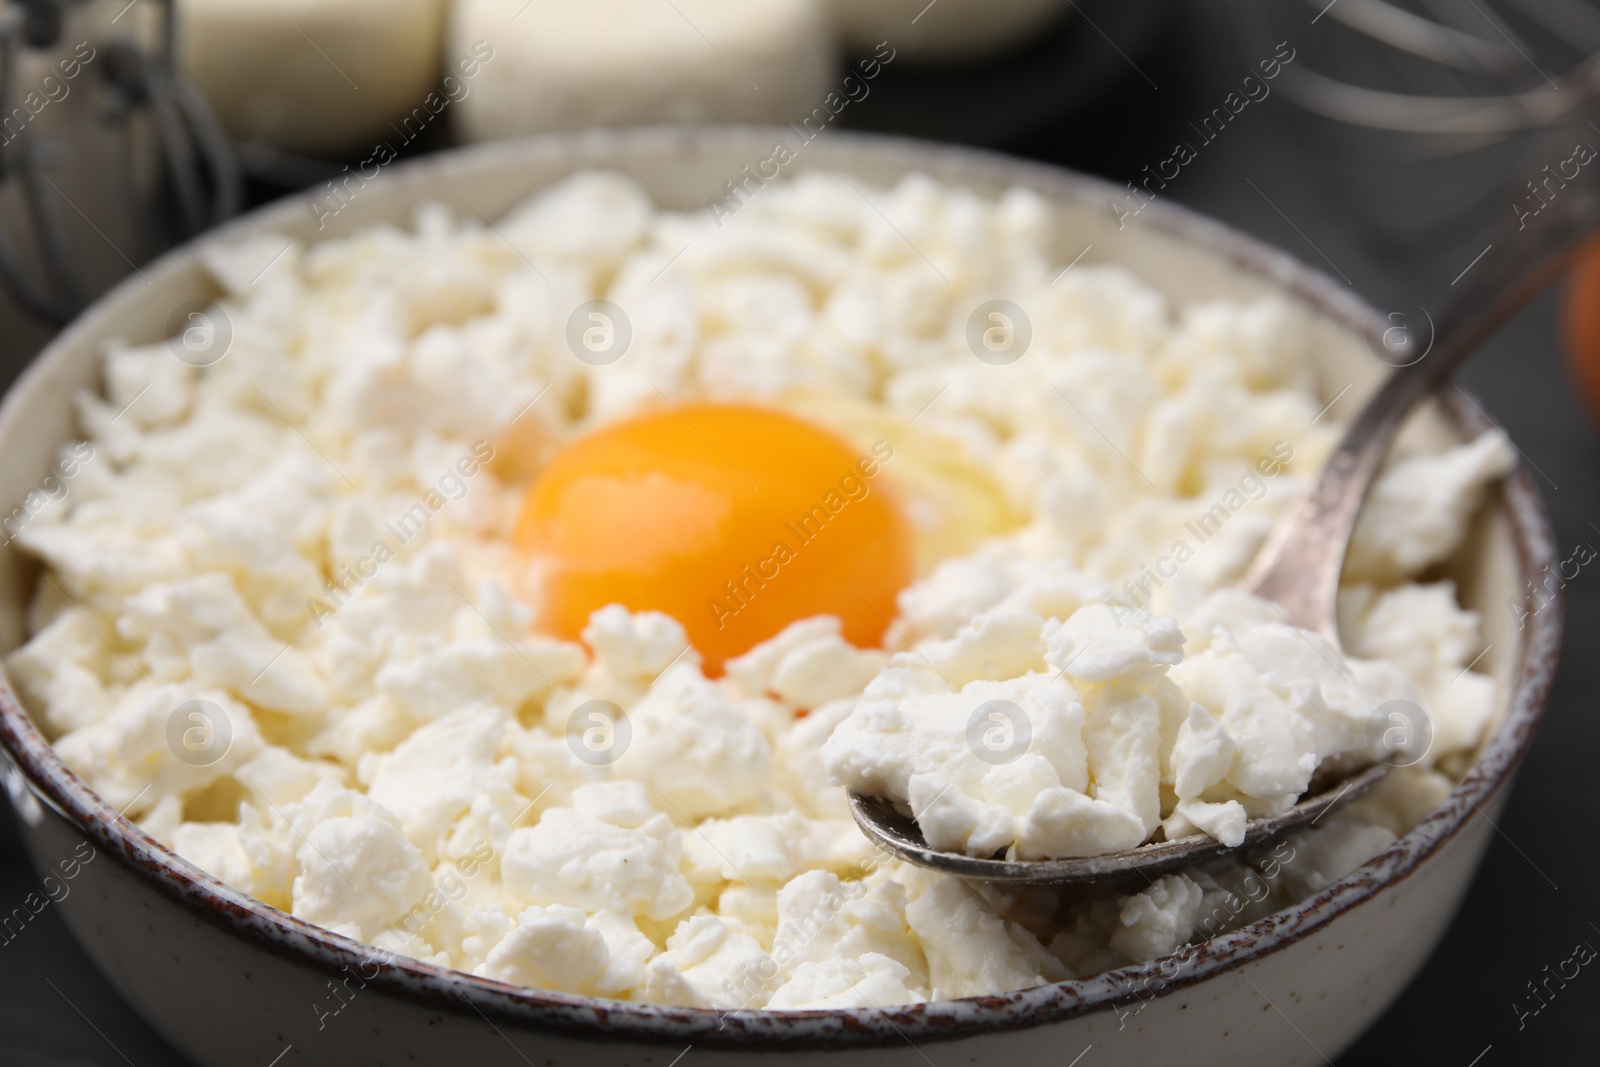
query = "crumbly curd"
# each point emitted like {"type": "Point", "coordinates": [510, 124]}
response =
{"type": "Point", "coordinates": [284, 621]}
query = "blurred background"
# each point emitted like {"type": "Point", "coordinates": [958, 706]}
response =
{"type": "Point", "coordinates": [1395, 137]}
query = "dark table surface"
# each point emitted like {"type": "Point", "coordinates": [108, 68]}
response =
{"type": "Point", "coordinates": [1396, 234]}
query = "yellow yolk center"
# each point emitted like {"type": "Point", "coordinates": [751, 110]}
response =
{"type": "Point", "coordinates": [734, 519]}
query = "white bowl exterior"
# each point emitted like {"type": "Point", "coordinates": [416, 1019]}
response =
{"type": "Point", "coordinates": [224, 1001]}
{"type": "Point", "coordinates": [227, 998]}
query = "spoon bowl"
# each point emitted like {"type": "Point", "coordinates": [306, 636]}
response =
{"type": "Point", "coordinates": [898, 833]}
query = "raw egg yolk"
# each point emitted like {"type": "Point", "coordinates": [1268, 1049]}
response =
{"type": "Point", "coordinates": [734, 519]}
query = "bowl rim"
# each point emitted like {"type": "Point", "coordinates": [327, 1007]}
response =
{"type": "Point", "coordinates": [31, 762]}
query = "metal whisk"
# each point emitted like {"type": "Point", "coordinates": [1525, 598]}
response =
{"type": "Point", "coordinates": [142, 108]}
{"type": "Point", "coordinates": [1463, 70]}
{"type": "Point", "coordinates": [1427, 112]}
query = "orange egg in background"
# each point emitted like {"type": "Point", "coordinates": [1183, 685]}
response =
{"type": "Point", "coordinates": [1581, 322]}
{"type": "Point", "coordinates": [735, 519]}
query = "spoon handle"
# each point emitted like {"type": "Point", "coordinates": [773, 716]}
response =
{"type": "Point", "coordinates": [1298, 566]}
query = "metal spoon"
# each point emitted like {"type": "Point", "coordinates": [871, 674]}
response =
{"type": "Point", "coordinates": [1298, 566]}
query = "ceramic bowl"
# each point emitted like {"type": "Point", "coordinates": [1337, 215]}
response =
{"type": "Point", "coordinates": [231, 981]}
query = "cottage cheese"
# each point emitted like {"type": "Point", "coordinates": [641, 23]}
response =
{"type": "Point", "coordinates": [305, 544]}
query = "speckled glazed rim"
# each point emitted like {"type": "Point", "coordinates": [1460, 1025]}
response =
{"type": "Point", "coordinates": [441, 989]}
